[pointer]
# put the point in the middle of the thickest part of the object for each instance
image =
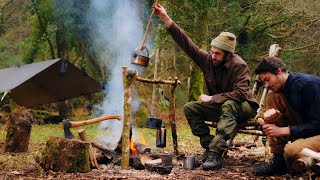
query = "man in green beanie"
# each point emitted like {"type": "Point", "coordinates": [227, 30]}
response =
{"type": "Point", "coordinates": [228, 101]}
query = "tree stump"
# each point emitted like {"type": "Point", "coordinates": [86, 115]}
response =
{"type": "Point", "coordinates": [19, 130]}
{"type": "Point", "coordinates": [66, 155]}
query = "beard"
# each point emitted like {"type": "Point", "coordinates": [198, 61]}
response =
{"type": "Point", "coordinates": [219, 63]}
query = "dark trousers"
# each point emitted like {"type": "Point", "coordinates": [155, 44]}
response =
{"type": "Point", "coordinates": [228, 115]}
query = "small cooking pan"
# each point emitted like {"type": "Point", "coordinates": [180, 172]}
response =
{"type": "Point", "coordinates": [140, 56]}
{"type": "Point", "coordinates": [154, 123]}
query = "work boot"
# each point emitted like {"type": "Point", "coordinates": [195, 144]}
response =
{"type": "Point", "coordinates": [213, 161]}
{"type": "Point", "coordinates": [277, 166]}
{"type": "Point", "coordinates": [202, 159]}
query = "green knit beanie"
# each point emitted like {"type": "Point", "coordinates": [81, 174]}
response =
{"type": "Point", "coordinates": [225, 41]}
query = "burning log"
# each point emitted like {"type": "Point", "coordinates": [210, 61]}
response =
{"type": "Point", "coordinates": [107, 152]}
{"type": "Point", "coordinates": [142, 149]}
{"type": "Point", "coordinates": [103, 159]}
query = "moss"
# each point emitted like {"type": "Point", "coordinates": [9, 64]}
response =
{"type": "Point", "coordinates": [75, 159]}
{"type": "Point", "coordinates": [81, 158]}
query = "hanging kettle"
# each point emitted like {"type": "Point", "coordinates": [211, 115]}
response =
{"type": "Point", "coordinates": [140, 56]}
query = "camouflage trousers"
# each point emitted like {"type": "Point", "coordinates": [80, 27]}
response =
{"type": "Point", "coordinates": [227, 114]}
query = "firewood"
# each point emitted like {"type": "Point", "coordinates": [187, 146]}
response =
{"type": "Point", "coordinates": [103, 149]}
{"type": "Point", "coordinates": [103, 159]}
{"type": "Point", "coordinates": [316, 168]}
{"type": "Point", "coordinates": [153, 162]}
{"type": "Point", "coordinates": [302, 164]}
{"type": "Point", "coordinates": [141, 148]}
{"type": "Point", "coordinates": [144, 158]}
{"type": "Point", "coordinates": [136, 163]}
{"type": "Point", "coordinates": [310, 153]}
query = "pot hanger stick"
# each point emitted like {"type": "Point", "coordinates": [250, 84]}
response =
{"type": "Point", "coordinates": [147, 29]}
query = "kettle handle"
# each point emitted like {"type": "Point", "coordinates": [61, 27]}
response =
{"type": "Point", "coordinates": [144, 47]}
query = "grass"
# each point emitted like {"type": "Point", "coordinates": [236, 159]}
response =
{"type": "Point", "coordinates": [41, 133]}
{"type": "Point", "coordinates": [187, 142]}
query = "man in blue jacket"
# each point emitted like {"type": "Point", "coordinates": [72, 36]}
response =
{"type": "Point", "coordinates": [293, 114]}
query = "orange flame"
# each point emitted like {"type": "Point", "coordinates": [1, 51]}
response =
{"type": "Point", "coordinates": [133, 148]}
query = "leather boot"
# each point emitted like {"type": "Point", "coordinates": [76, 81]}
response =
{"type": "Point", "coordinates": [202, 159]}
{"type": "Point", "coordinates": [213, 161]}
{"type": "Point", "coordinates": [277, 166]}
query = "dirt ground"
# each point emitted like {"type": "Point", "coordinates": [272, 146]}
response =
{"type": "Point", "coordinates": [237, 165]}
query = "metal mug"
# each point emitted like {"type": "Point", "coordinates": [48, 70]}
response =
{"type": "Point", "coordinates": [189, 162]}
{"type": "Point", "coordinates": [166, 159]}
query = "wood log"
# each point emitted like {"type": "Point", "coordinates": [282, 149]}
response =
{"type": "Point", "coordinates": [66, 155]}
{"type": "Point", "coordinates": [135, 162]}
{"type": "Point", "coordinates": [19, 130]}
{"type": "Point", "coordinates": [109, 152]}
{"type": "Point", "coordinates": [142, 149]}
{"type": "Point", "coordinates": [310, 153]}
{"type": "Point", "coordinates": [153, 162]}
{"type": "Point", "coordinates": [303, 164]}
{"type": "Point", "coordinates": [103, 159]}
{"type": "Point", "coordinates": [316, 168]}
{"type": "Point", "coordinates": [92, 153]}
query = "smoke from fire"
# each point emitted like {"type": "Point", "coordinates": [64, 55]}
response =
{"type": "Point", "coordinates": [118, 30]}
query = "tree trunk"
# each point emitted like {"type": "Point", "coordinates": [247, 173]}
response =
{"type": "Point", "coordinates": [19, 130]}
{"type": "Point", "coordinates": [66, 155]}
{"type": "Point", "coordinates": [43, 27]}
{"type": "Point", "coordinates": [196, 77]}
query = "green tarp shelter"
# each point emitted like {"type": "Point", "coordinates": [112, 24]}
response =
{"type": "Point", "coordinates": [46, 82]}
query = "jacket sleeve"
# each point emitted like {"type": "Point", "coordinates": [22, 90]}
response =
{"type": "Point", "coordinates": [240, 86]}
{"type": "Point", "coordinates": [187, 45]}
{"type": "Point", "coordinates": [311, 104]}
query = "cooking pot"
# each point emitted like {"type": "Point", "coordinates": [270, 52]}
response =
{"type": "Point", "coordinates": [166, 159]}
{"type": "Point", "coordinates": [154, 123]}
{"type": "Point", "coordinates": [140, 56]}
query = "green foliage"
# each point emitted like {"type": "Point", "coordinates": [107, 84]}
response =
{"type": "Point", "coordinates": [25, 35]}
{"type": "Point", "coordinates": [142, 115]}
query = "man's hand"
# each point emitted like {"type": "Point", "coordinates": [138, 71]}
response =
{"type": "Point", "coordinates": [162, 14]}
{"type": "Point", "coordinates": [275, 131]}
{"type": "Point", "coordinates": [271, 116]}
{"type": "Point", "coordinates": [205, 99]}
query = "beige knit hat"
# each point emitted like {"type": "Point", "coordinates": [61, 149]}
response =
{"type": "Point", "coordinates": [225, 41]}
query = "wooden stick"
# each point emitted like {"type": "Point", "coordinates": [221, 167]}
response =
{"type": "Point", "coordinates": [147, 29]}
{"type": "Point", "coordinates": [158, 81]}
{"type": "Point", "coordinates": [172, 117]}
{"type": "Point", "coordinates": [82, 134]}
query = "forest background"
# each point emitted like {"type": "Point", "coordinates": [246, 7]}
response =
{"type": "Point", "coordinates": [38, 30]}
